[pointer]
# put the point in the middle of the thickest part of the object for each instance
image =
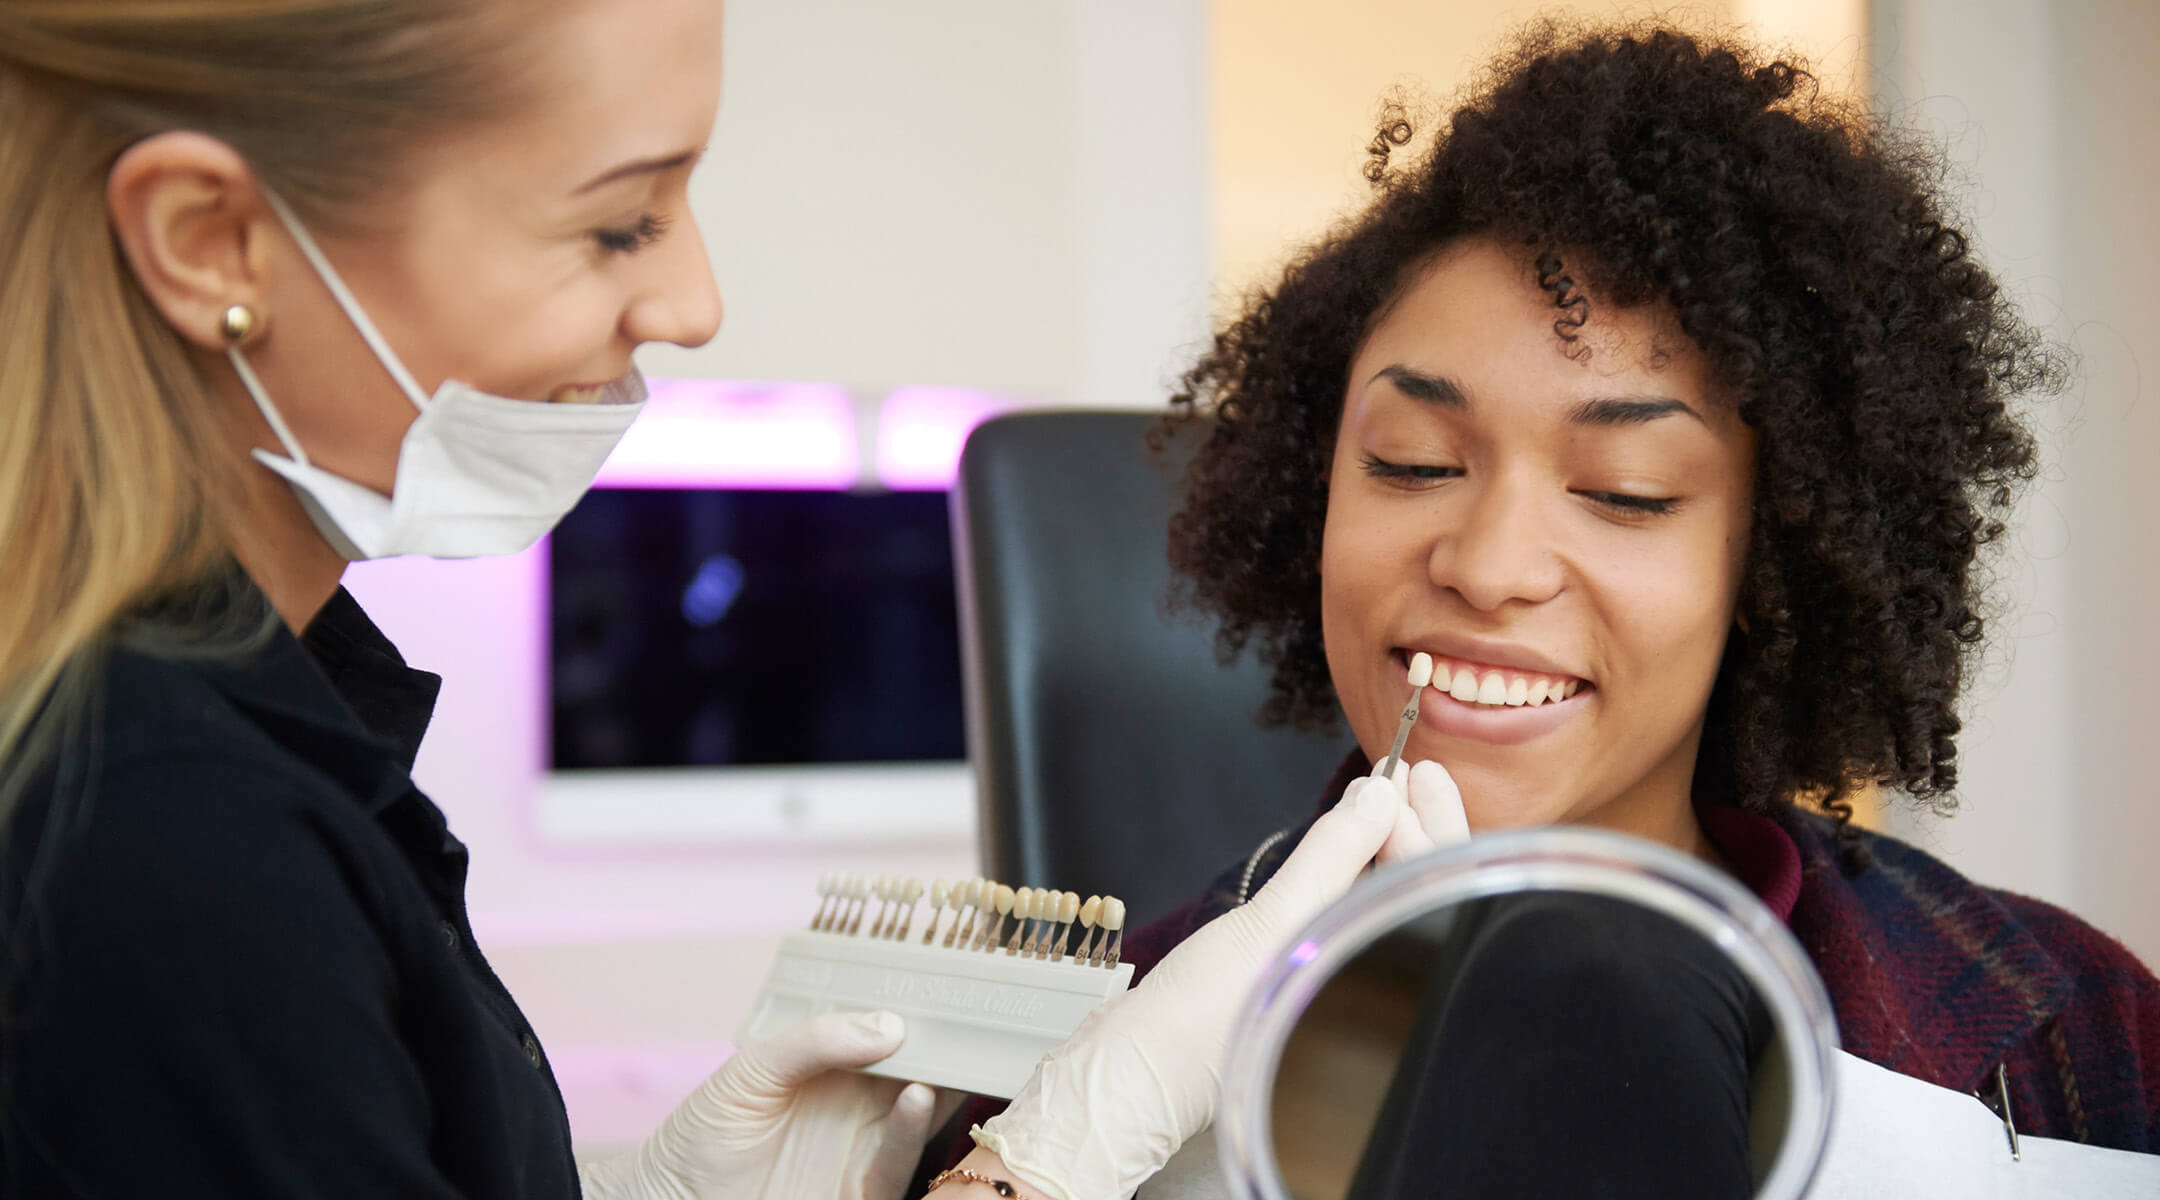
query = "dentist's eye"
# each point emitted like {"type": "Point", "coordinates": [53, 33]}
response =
{"type": "Point", "coordinates": [1411, 473]}
{"type": "Point", "coordinates": [631, 238]}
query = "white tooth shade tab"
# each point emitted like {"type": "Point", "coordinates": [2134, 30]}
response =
{"type": "Point", "coordinates": [1113, 917]}
{"type": "Point", "coordinates": [1421, 667]}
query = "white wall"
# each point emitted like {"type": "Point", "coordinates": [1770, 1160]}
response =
{"type": "Point", "coordinates": [968, 192]}
{"type": "Point", "coordinates": [2108, 146]}
{"type": "Point", "coordinates": [2049, 111]}
{"type": "Point", "coordinates": [965, 192]}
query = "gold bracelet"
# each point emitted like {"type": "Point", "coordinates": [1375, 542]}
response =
{"type": "Point", "coordinates": [999, 1186]}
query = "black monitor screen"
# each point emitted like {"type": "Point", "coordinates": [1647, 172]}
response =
{"type": "Point", "coordinates": [725, 628]}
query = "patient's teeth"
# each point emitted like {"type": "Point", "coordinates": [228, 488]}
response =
{"type": "Point", "coordinates": [1537, 692]}
{"type": "Point", "coordinates": [1492, 689]}
{"type": "Point", "coordinates": [1465, 686]}
{"type": "Point", "coordinates": [1573, 685]}
{"type": "Point", "coordinates": [1518, 691]}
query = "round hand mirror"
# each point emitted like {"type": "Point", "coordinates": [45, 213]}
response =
{"type": "Point", "coordinates": [1548, 1012]}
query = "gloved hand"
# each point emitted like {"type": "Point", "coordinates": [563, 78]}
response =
{"type": "Point", "coordinates": [1142, 1074]}
{"type": "Point", "coordinates": [1433, 817]}
{"type": "Point", "coordinates": [786, 1119]}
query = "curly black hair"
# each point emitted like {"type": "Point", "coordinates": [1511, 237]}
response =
{"type": "Point", "coordinates": [1802, 248]}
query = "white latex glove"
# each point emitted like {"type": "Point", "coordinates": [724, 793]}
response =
{"type": "Point", "coordinates": [1142, 1074]}
{"type": "Point", "coordinates": [786, 1118]}
{"type": "Point", "coordinates": [1433, 817]}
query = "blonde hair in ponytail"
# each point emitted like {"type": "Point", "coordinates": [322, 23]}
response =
{"type": "Point", "coordinates": [118, 481]}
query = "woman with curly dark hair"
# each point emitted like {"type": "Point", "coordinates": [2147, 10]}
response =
{"type": "Point", "coordinates": [1662, 405]}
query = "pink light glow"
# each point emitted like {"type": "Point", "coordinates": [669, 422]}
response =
{"type": "Point", "coordinates": [921, 430]}
{"type": "Point", "coordinates": [703, 433]}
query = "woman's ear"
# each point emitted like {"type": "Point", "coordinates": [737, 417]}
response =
{"type": "Point", "coordinates": [189, 215]}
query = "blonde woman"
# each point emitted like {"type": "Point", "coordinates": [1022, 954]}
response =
{"type": "Point", "coordinates": [289, 283]}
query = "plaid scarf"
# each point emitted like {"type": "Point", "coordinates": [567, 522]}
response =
{"type": "Point", "coordinates": [1931, 975]}
{"type": "Point", "coordinates": [1936, 977]}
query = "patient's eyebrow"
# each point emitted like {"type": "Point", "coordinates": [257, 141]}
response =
{"type": "Point", "coordinates": [1609, 411]}
{"type": "Point", "coordinates": [1437, 390]}
{"type": "Point", "coordinates": [1598, 412]}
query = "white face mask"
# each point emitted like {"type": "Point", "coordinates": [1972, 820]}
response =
{"type": "Point", "coordinates": [477, 475]}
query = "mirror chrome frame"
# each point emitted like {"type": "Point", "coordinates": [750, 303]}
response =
{"type": "Point", "coordinates": [1550, 858]}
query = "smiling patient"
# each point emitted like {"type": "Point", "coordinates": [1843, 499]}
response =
{"type": "Point", "coordinates": [1661, 404]}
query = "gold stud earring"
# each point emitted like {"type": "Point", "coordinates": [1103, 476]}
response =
{"type": "Point", "coordinates": [237, 323]}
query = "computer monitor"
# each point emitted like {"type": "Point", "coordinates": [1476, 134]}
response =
{"type": "Point", "coordinates": [755, 650]}
{"type": "Point", "coordinates": [753, 628]}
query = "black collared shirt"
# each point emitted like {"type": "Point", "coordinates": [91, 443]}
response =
{"type": "Point", "coordinates": [246, 970]}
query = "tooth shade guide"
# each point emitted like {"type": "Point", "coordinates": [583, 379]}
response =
{"type": "Point", "coordinates": [1044, 902]}
{"type": "Point", "coordinates": [963, 907]}
{"type": "Point", "coordinates": [911, 890]}
{"type": "Point", "coordinates": [884, 892]}
{"type": "Point", "coordinates": [1023, 904]}
{"type": "Point", "coordinates": [1052, 920]}
{"type": "Point", "coordinates": [1089, 910]}
{"type": "Point", "coordinates": [979, 913]}
{"type": "Point", "coordinates": [891, 911]}
{"type": "Point", "coordinates": [1111, 919]}
{"type": "Point", "coordinates": [990, 924]}
{"type": "Point", "coordinates": [1068, 912]}
{"type": "Point", "coordinates": [865, 891]}
{"type": "Point", "coordinates": [953, 1041]}
{"type": "Point", "coordinates": [844, 902]}
{"type": "Point", "coordinates": [939, 892]}
{"type": "Point", "coordinates": [1042, 919]}
{"type": "Point", "coordinates": [984, 895]}
{"type": "Point", "coordinates": [963, 903]}
{"type": "Point", "coordinates": [1115, 923]}
{"type": "Point", "coordinates": [1000, 898]}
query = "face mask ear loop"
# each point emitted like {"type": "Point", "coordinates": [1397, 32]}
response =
{"type": "Point", "coordinates": [344, 297]}
{"type": "Point", "coordinates": [262, 401]}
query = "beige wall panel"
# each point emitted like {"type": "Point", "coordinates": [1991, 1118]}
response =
{"type": "Point", "coordinates": [1295, 86]}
